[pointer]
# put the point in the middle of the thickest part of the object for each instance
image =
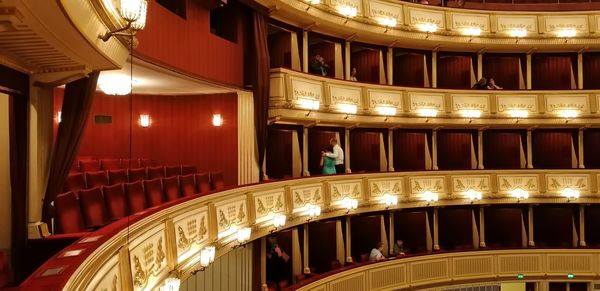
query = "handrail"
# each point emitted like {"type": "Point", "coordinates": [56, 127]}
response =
{"type": "Point", "coordinates": [142, 250]}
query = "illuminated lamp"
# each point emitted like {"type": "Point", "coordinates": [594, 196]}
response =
{"type": "Point", "coordinates": [217, 120]}
{"type": "Point", "coordinates": [348, 11]}
{"type": "Point", "coordinates": [519, 193]}
{"type": "Point", "coordinates": [427, 27]}
{"type": "Point", "coordinates": [134, 13]}
{"type": "Point", "coordinates": [145, 120]}
{"type": "Point", "coordinates": [430, 196]}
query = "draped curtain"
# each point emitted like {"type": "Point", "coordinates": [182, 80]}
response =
{"type": "Point", "coordinates": [553, 72]}
{"type": "Point", "coordinates": [552, 149]}
{"type": "Point", "coordinates": [411, 228]}
{"type": "Point", "coordinates": [322, 245]}
{"type": "Point", "coordinates": [455, 228]}
{"type": "Point", "coordinates": [260, 83]}
{"type": "Point", "coordinates": [553, 226]}
{"type": "Point", "coordinates": [502, 150]}
{"type": "Point", "coordinates": [365, 235]}
{"type": "Point", "coordinates": [366, 62]}
{"type": "Point", "coordinates": [592, 217]}
{"type": "Point", "coordinates": [497, 235]}
{"type": "Point", "coordinates": [454, 71]}
{"type": "Point", "coordinates": [364, 151]}
{"type": "Point", "coordinates": [279, 154]}
{"type": "Point", "coordinates": [409, 150]}
{"type": "Point", "coordinates": [76, 107]}
{"type": "Point", "coordinates": [591, 70]}
{"type": "Point", "coordinates": [506, 70]}
{"type": "Point", "coordinates": [409, 69]}
{"type": "Point", "coordinates": [591, 140]}
{"type": "Point", "coordinates": [280, 49]}
{"type": "Point", "coordinates": [454, 150]}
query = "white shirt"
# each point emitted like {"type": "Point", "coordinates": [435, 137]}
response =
{"type": "Point", "coordinates": [338, 155]}
{"type": "Point", "coordinates": [375, 255]}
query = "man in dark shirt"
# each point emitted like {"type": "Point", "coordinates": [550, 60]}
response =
{"type": "Point", "coordinates": [319, 66]}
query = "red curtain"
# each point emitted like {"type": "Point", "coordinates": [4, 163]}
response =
{"type": "Point", "coordinates": [75, 111]}
{"type": "Point", "coordinates": [409, 69]}
{"type": "Point", "coordinates": [366, 233]}
{"type": "Point", "coordinates": [454, 150]}
{"type": "Point", "coordinates": [260, 82]}
{"type": "Point", "coordinates": [454, 71]}
{"type": "Point", "coordinates": [591, 70]}
{"type": "Point", "coordinates": [321, 245]}
{"type": "Point", "coordinates": [553, 226]}
{"type": "Point", "coordinates": [552, 71]}
{"type": "Point", "coordinates": [280, 49]}
{"type": "Point", "coordinates": [318, 140]}
{"type": "Point", "coordinates": [409, 151]}
{"type": "Point", "coordinates": [411, 228]}
{"type": "Point", "coordinates": [327, 50]}
{"type": "Point", "coordinates": [552, 149]}
{"type": "Point", "coordinates": [592, 220]}
{"type": "Point", "coordinates": [504, 69]}
{"type": "Point", "coordinates": [501, 150]}
{"type": "Point", "coordinates": [455, 228]}
{"type": "Point", "coordinates": [279, 154]}
{"type": "Point", "coordinates": [497, 235]}
{"type": "Point", "coordinates": [591, 143]}
{"type": "Point", "coordinates": [364, 151]}
{"type": "Point", "coordinates": [366, 62]}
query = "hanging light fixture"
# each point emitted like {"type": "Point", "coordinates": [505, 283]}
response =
{"type": "Point", "coordinates": [134, 13]}
{"type": "Point", "coordinates": [389, 199]}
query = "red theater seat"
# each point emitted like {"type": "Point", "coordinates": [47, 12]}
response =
{"type": "Point", "coordinates": [146, 163]}
{"type": "Point", "coordinates": [154, 193]}
{"type": "Point", "coordinates": [89, 166]}
{"type": "Point", "coordinates": [92, 207]}
{"type": "Point", "coordinates": [188, 187]}
{"type": "Point", "coordinates": [135, 196]}
{"type": "Point", "coordinates": [137, 174]}
{"type": "Point", "coordinates": [171, 188]}
{"type": "Point", "coordinates": [188, 169]}
{"type": "Point", "coordinates": [202, 183]}
{"type": "Point", "coordinates": [96, 179]}
{"type": "Point", "coordinates": [116, 202]}
{"type": "Point", "coordinates": [130, 164]}
{"type": "Point", "coordinates": [75, 167]}
{"type": "Point", "coordinates": [68, 213]}
{"type": "Point", "coordinates": [216, 181]}
{"type": "Point", "coordinates": [75, 182]}
{"type": "Point", "coordinates": [171, 171]}
{"type": "Point", "coordinates": [110, 164]}
{"type": "Point", "coordinates": [156, 172]}
{"type": "Point", "coordinates": [117, 177]}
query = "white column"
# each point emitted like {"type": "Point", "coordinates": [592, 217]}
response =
{"type": "Point", "coordinates": [263, 263]}
{"type": "Point", "coordinates": [392, 239]}
{"type": "Point", "coordinates": [436, 238]}
{"type": "Point", "coordinates": [528, 72]}
{"type": "Point", "coordinates": [296, 253]}
{"type": "Point", "coordinates": [434, 149]}
{"type": "Point", "coordinates": [580, 148]}
{"type": "Point", "coordinates": [580, 70]}
{"type": "Point", "coordinates": [347, 150]}
{"type": "Point", "coordinates": [305, 59]}
{"type": "Point", "coordinates": [529, 150]}
{"type": "Point", "coordinates": [347, 64]}
{"type": "Point", "coordinates": [248, 169]}
{"type": "Point", "coordinates": [480, 149]}
{"type": "Point", "coordinates": [390, 150]}
{"type": "Point", "coordinates": [305, 171]}
{"type": "Point", "coordinates": [481, 227]}
{"type": "Point", "coordinates": [434, 69]}
{"type": "Point", "coordinates": [348, 241]}
{"type": "Point", "coordinates": [390, 66]}
{"type": "Point", "coordinates": [5, 198]}
{"type": "Point", "coordinates": [582, 242]}
{"type": "Point", "coordinates": [479, 66]}
{"type": "Point", "coordinates": [531, 242]}
{"type": "Point", "coordinates": [305, 248]}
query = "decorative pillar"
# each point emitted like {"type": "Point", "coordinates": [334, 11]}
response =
{"type": "Point", "coordinates": [434, 149]}
{"type": "Point", "coordinates": [580, 70]}
{"type": "Point", "coordinates": [529, 150]}
{"type": "Point", "coordinates": [436, 238]}
{"type": "Point", "coordinates": [348, 241]}
{"type": "Point", "coordinates": [305, 59]}
{"type": "Point", "coordinates": [305, 248]}
{"type": "Point", "coordinates": [580, 148]}
{"type": "Point", "coordinates": [347, 150]}
{"type": "Point", "coordinates": [296, 254]}
{"type": "Point", "coordinates": [347, 64]}
{"type": "Point", "coordinates": [582, 242]}
{"type": "Point", "coordinates": [528, 71]}
{"type": "Point", "coordinates": [339, 242]}
{"type": "Point", "coordinates": [390, 66]}
{"type": "Point", "coordinates": [481, 227]}
{"type": "Point", "coordinates": [479, 66]}
{"type": "Point", "coordinates": [294, 51]}
{"type": "Point", "coordinates": [305, 171]}
{"type": "Point", "coordinates": [434, 70]}
{"type": "Point", "coordinates": [392, 236]}
{"type": "Point", "coordinates": [480, 149]}
{"type": "Point", "coordinates": [531, 241]}
{"type": "Point", "coordinates": [390, 150]}
{"type": "Point", "coordinates": [263, 263]}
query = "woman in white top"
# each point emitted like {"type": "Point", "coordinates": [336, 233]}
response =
{"type": "Point", "coordinates": [376, 254]}
{"type": "Point", "coordinates": [353, 75]}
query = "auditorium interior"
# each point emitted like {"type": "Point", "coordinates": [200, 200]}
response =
{"type": "Point", "coordinates": [279, 145]}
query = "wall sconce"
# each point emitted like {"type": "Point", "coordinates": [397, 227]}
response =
{"type": "Point", "coordinates": [309, 104]}
{"type": "Point", "coordinates": [472, 31]}
{"type": "Point", "coordinates": [388, 22]}
{"type": "Point", "coordinates": [566, 33]}
{"type": "Point", "coordinates": [207, 257]}
{"type": "Point", "coordinates": [389, 200]}
{"type": "Point", "coordinates": [145, 120]}
{"type": "Point", "coordinates": [242, 235]}
{"type": "Point", "coordinates": [519, 193]}
{"type": "Point", "coordinates": [427, 28]}
{"type": "Point", "coordinates": [134, 13]}
{"type": "Point", "coordinates": [386, 111]}
{"type": "Point", "coordinates": [313, 211]}
{"type": "Point", "coordinates": [172, 283]}
{"type": "Point", "coordinates": [427, 112]}
{"type": "Point", "coordinates": [278, 221]}
{"type": "Point", "coordinates": [429, 197]}
{"type": "Point", "coordinates": [349, 203]}
{"type": "Point", "coordinates": [568, 114]}
{"type": "Point", "coordinates": [312, 3]}
{"type": "Point", "coordinates": [58, 117]}
{"type": "Point", "coordinates": [518, 33]}
{"type": "Point", "coordinates": [570, 193]}
{"type": "Point", "coordinates": [470, 114]}
{"type": "Point", "coordinates": [217, 120]}
{"type": "Point", "coordinates": [348, 109]}
{"type": "Point", "coordinates": [348, 12]}
{"type": "Point", "coordinates": [473, 195]}
{"type": "Point", "coordinates": [518, 114]}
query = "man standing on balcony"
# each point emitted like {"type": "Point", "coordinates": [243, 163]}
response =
{"type": "Point", "coordinates": [338, 155]}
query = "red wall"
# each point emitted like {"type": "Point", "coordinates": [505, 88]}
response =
{"type": "Point", "coordinates": [181, 131]}
{"type": "Point", "coordinates": [188, 45]}
{"type": "Point", "coordinates": [366, 63]}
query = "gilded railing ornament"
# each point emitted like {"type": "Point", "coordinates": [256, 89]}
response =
{"type": "Point", "coordinates": [202, 231]}
{"type": "Point", "coordinates": [183, 242]}
{"type": "Point", "coordinates": [160, 255]}
{"type": "Point", "coordinates": [579, 184]}
{"type": "Point", "coordinates": [140, 278]}
{"type": "Point", "coordinates": [223, 222]}
{"type": "Point", "coordinates": [417, 188]}
{"type": "Point", "coordinates": [528, 186]}
{"type": "Point", "coordinates": [481, 186]}
{"type": "Point", "coordinates": [241, 214]}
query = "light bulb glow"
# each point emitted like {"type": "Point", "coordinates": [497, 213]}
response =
{"type": "Point", "coordinates": [145, 120]}
{"type": "Point", "coordinates": [569, 32]}
{"type": "Point", "coordinates": [313, 210]}
{"type": "Point", "coordinates": [518, 113]}
{"type": "Point", "coordinates": [243, 234]}
{"type": "Point", "coordinates": [348, 108]}
{"type": "Point", "coordinates": [115, 84]}
{"type": "Point", "coordinates": [519, 32]}
{"type": "Point", "coordinates": [171, 284]}
{"type": "Point", "coordinates": [389, 199]}
{"type": "Point", "coordinates": [427, 112]}
{"type": "Point", "coordinates": [427, 27]}
{"type": "Point", "coordinates": [568, 113]}
{"type": "Point", "coordinates": [386, 110]}
{"type": "Point", "coordinates": [388, 22]}
{"type": "Point", "coordinates": [59, 117]}
{"type": "Point", "coordinates": [204, 258]}
{"type": "Point", "coordinates": [314, 2]}
{"type": "Point", "coordinates": [473, 195]}
{"type": "Point", "coordinates": [211, 252]}
{"type": "Point", "coordinates": [472, 31]}
{"type": "Point", "coordinates": [309, 104]}
{"type": "Point", "coordinates": [570, 193]}
{"type": "Point", "coordinates": [140, 22]}
{"type": "Point", "coordinates": [520, 193]}
{"type": "Point", "coordinates": [348, 11]}
{"type": "Point", "coordinates": [470, 113]}
{"type": "Point", "coordinates": [131, 10]}
{"type": "Point", "coordinates": [279, 220]}
{"type": "Point", "coordinates": [430, 196]}
{"type": "Point", "coordinates": [349, 203]}
{"type": "Point", "coordinates": [217, 120]}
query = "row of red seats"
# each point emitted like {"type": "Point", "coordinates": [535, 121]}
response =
{"type": "Point", "coordinates": [89, 164]}
{"type": "Point", "coordinates": [92, 208]}
{"type": "Point", "coordinates": [87, 180]}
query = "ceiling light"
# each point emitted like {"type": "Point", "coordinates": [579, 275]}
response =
{"type": "Point", "coordinates": [386, 110]}
{"type": "Point", "coordinates": [389, 199]}
{"type": "Point", "coordinates": [519, 193]}
{"type": "Point", "coordinates": [570, 32]}
{"type": "Point", "coordinates": [519, 32]}
{"type": "Point", "coordinates": [518, 113]}
{"type": "Point", "coordinates": [427, 27]}
{"type": "Point", "coordinates": [473, 195]}
{"type": "Point", "coordinates": [568, 113]}
{"type": "Point", "coordinates": [430, 196]}
{"type": "Point", "coordinates": [115, 84]}
{"type": "Point", "coordinates": [570, 193]}
{"type": "Point", "coordinates": [427, 112]}
{"type": "Point", "coordinates": [134, 13]}
{"type": "Point", "coordinates": [472, 31]}
{"type": "Point", "coordinates": [470, 113]}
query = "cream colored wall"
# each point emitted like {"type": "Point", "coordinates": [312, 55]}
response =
{"type": "Point", "coordinates": [5, 211]}
{"type": "Point", "coordinates": [230, 272]}
{"type": "Point", "coordinates": [518, 286]}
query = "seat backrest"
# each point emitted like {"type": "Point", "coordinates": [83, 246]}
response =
{"type": "Point", "coordinates": [93, 207]}
{"type": "Point", "coordinates": [156, 172]}
{"type": "Point", "coordinates": [188, 187]}
{"type": "Point", "coordinates": [335, 264]}
{"type": "Point", "coordinates": [75, 167]}
{"type": "Point", "coordinates": [135, 196]}
{"type": "Point", "coordinates": [96, 179]}
{"type": "Point", "coordinates": [89, 166]}
{"type": "Point", "coordinates": [137, 174]}
{"type": "Point", "coordinates": [117, 177]}
{"type": "Point", "coordinates": [216, 181]}
{"type": "Point", "coordinates": [188, 169]}
{"type": "Point", "coordinates": [171, 188]}
{"type": "Point", "coordinates": [146, 163]}
{"type": "Point", "coordinates": [202, 183]}
{"type": "Point", "coordinates": [171, 171]}
{"type": "Point", "coordinates": [116, 201]}
{"type": "Point", "coordinates": [75, 182]}
{"type": "Point", "coordinates": [68, 213]}
{"type": "Point", "coordinates": [130, 163]}
{"type": "Point", "coordinates": [154, 193]}
{"type": "Point", "coordinates": [110, 164]}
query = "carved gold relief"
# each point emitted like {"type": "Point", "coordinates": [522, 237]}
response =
{"type": "Point", "coordinates": [511, 183]}
{"type": "Point", "coordinates": [241, 214]}
{"type": "Point", "coordinates": [338, 195]}
{"type": "Point", "coordinates": [223, 222]}
{"type": "Point", "coordinates": [160, 254]}
{"type": "Point", "coordinates": [376, 190]}
{"type": "Point", "coordinates": [418, 188]}
{"type": "Point", "coordinates": [480, 184]}
{"type": "Point", "coordinates": [140, 277]}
